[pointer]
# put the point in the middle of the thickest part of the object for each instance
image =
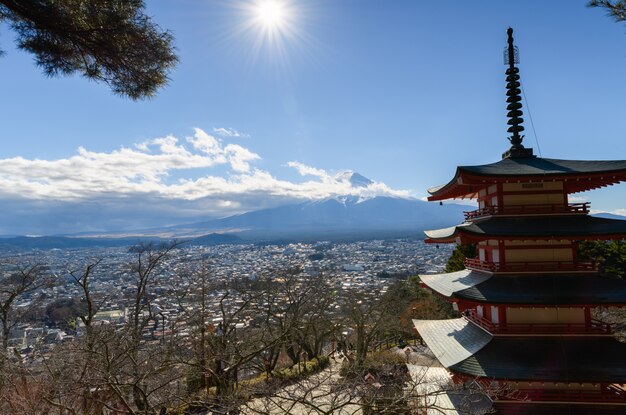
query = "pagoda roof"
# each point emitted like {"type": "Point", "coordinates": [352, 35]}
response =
{"type": "Point", "coordinates": [465, 348]}
{"type": "Point", "coordinates": [528, 166]}
{"type": "Point", "coordinates": [450, 283]}
{"type": "Point", "coordinates": [469, 179]}
{"type": "Point", "coordinates": [528, 289]}
{"type": "Point", "coordinates": [535, 227]}
{"type": "Point", "coordinates": [535, 408]}
{"type": "Point", "coordinates": [452, 341]}
{"type": "Point", "coordinates": [550, 358]}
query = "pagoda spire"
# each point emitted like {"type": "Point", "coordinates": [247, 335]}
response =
{"type": "Point", "coordinates": [514, 102]}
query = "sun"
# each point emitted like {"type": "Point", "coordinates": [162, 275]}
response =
{"type": "Point", "coordinates": [273, 24]}
{"type": "Point", "coordinates": [274, 30]}
{"type": "Point", "coordinates": [270, 13]}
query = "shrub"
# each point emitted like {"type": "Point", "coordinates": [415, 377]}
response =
{"type": "Point", "coordinates": [299, 370]}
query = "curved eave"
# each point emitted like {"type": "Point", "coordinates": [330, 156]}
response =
{"type": "Point", "coordinates": [450, 283]}
{"type": "Point", "coordinates": [528, 290]}
{"type": "Point", "coordinates": [469, 238]}
{"type": "Point", "coordinates": [442, 235]}
{"type": "Point", "coordinates": [472, 184]}
{"type": "Point", "coordinates": [550, 289]}
{"type": "Point", "coordinates": [452, 341]}
{"type": "Point", "coordinates": [465, 348]}
{"type": "Point", "coordinates": [468, 180]}
{"type": "Point", "coordinates": [454, 189]}
{"type": "Point", "coordinates": [548, 359]}
{"type": "Point", "coordinates": [544, 227]}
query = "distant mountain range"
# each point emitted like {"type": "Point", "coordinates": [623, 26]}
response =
{"type": "Point", "coordinates": [69, 242]}
{"type": "Point", "coordinates": [345, 217]}
{"type": "Point", "coordinates": [339, 218]}
{"type": "Point", "coordinates": [607, 215]}
{"type": "Point", "coordinates": [336, 218]}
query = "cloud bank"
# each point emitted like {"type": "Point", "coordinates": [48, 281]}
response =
{"type": "Point", "coordinates": [155, 183]}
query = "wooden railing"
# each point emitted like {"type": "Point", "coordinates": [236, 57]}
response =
{"type": "Point", "coordinates": [581, 208]}
{"type": "Point", "coordinates": [480, 321]}
{"type": "Point", "coordinates": [546, 266]}
{"type": "Point", "coordinates": [595, 327]}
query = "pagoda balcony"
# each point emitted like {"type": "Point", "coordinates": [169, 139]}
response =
{"type": "Point", "coordinates": [570, 208]}
{"type": "Point", "coordinates": [595, 327]}
{"type": "Point", "coordinates": [522, 267]}
{"type": "Point", "coordinates": [610, 394]}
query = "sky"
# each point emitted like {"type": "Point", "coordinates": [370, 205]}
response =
{"type": "Point", "coordinates": [258, 115]}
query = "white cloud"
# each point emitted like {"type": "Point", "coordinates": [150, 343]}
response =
{"type": "Point", "coordinates": [149, 167]}
{"type": "Point", "coordinates": [621, 212]}
{"type": "Point", "coordinates": [205, 142]}
{"type": "Point", "coordinates": [305, 170]}
{"type": "Point", "coordinates": [230, 132]}
{"type": "Point", "coordinates": [577, 199]}
{"type": "Point", "coordinates": [239, 157]}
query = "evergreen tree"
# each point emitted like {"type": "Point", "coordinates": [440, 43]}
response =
{"type": "Point", "coordinates": [610, 254]}
{"type": "Point", "coordinates": [105, 40]}
{"type": "Point", "coordinates": [456, 260]}
{"type": "Point", "coordinates": [615, 9]}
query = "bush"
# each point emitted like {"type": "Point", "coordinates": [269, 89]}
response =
{"type": "Point", "coordinates": [456, 260]}
{"type": "Point", "coordinates": [300, 370]}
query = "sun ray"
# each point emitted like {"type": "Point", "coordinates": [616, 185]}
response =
{"type": "Point", "coordinates": [272, 24]}
{"type": "Point", "coordinates": [276, 33]}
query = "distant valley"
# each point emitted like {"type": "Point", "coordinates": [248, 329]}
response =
{"type": "Point", "coordinates": [340, 218]}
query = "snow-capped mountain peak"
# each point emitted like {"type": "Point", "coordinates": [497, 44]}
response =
{"type": "Point", "coordinates": [355, 179]}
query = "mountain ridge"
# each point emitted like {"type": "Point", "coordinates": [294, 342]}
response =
{"type": "Point", "coordinates": [352, 214]}
{"type": "Point", "coordinates": [359, 215]}
{"type": "Point", "coordinates": [338, 218]}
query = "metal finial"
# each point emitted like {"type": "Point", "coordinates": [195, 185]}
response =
{"type": "Point", "coordinates": [514, 99]}
{"type": "Point", "coordinates": [511, 52]}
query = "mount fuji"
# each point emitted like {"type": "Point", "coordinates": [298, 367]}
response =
{"type": "Point", "coordinates": [337, 217]}
{"type": "Point", "coordinates": [364, 213]}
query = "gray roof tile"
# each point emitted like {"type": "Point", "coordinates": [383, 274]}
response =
{"type": "Point", "coordinates": [534, 226]}
{"type": "Point", "coordinates": [452, 341]}
{"type": "Point", "coordinates": [448, 284]}
{"type": "Point", "coordinates": [551, 358]}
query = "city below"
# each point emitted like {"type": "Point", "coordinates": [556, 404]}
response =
{"type": "Point", "coordinates": [51, 311]}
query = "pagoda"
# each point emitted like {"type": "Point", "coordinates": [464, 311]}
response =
{"type": "Point", "coordinates": [526, 327]}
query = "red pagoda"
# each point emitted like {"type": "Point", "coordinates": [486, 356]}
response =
{"type": "Point", "coordinates": [526, 301]}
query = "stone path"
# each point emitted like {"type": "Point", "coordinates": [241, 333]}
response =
{"type": "Point", "coordinates": [316, 395]}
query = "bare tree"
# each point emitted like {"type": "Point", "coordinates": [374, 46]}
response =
{"type": "Point", "coordinates": [239, 329]}
{"type": "Point", "coordinates": [310, 306]}
{"type": "Point", "coordinates": [83, 280]}
{"type": "Point", "coordinates": [115, 367]}
{"type": "Point", "coordinates": [238, 339]}
{"type": "Point", "coordinates": [17, 281]}
{"type": "Point", "coordinates": [373, 316]}
{"type": "Point", "coordinates": [149, 259]}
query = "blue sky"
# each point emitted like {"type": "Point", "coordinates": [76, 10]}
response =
{"type": "Point", "coordinates": [399, 91]}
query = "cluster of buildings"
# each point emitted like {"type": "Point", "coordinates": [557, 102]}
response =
{"type": "Point", "coordinates": [367, 267]}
